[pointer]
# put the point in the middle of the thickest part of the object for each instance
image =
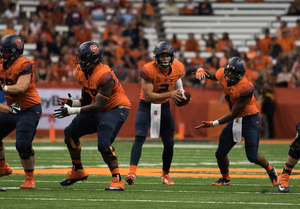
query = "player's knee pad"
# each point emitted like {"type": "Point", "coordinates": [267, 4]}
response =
{"type": "Point", "coordinates": [294, 154]}
{"type": "Point", "coordinates": [251, 159]}
{"type": "Point", "coordinates": [140, 139]}
{"type": "Point", "coordinates": [108, 154]}
{"type": "Point", "coordinates": [1, 146]}
{"type": "Point", "coordinates": [295, 146]}
{"type": "Point", "coordinates": [26, 154]}
{"type": "Point", "coordinates": [72, 144]}
{"type": "Point", "coordinates": [219, 155]}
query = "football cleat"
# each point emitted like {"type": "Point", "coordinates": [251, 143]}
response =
{"type": "Point", "coordinates": [74, 176]}
{"type": "Point", "coordinates": [28, 184]}
{"type": "Point", "coordinates": [167, 180]}
{"type": "Point", "coordinates": [283, 184]}
{"type": "Point", "coordinates": [116, 185]}
{"type": "Point", "coordinates": [221, 182]}
{"type": "Point", "coordinates": [130, 178]}
{"type": "Point", "coordinates": [5, 171]}
{"type": "Point", "coordinates": [273, 176]}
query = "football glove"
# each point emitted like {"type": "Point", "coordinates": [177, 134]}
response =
{"type": "Point", "coordinates": [65, 111]}
{"type": "Point", "coordinates": [205, 124]}
{"type": "Point", "coordinates": [69, 101]}
{"type": "Point", "coordinates": [15, 108]}
{"type": "Point", "coordinates": [200, 74]}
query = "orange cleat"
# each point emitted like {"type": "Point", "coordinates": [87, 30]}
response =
{"type": "Point", "coordinates": [167, 180]}
{"type": "Point", "coordinates": [283, 185]}
{"type": "Point", "coordinates": [130, 178]}
{"type": "Point", "coordinates": [221, 182]}
{"type": "Point", "coordinates": [5, 171]}
{"type": "Point", "coordinates": [116, 185]}
{"type": "Point", "coordinates": [28, 184]}
{"type": "Point", "coordinates": [74, 176]}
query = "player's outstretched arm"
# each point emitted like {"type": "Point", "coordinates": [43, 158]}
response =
{"type": "Point", "coordinates": [202, 74]}
{"type": "Point", "coordinates": [151, 96]}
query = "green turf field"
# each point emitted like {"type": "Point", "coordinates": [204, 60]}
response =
{"type": "Point", "coordinates": [148, 192]}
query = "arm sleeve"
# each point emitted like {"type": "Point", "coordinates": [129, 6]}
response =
{"type": "Point", "coordinates": [178, 85]}
{"type": "Point", "coordinates": [26, 68]}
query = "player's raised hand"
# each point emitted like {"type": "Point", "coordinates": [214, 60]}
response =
{"type": "Point", "coordinates": [200, 74]}
{"type": "Point", "coordinates": [62, 112]}
{"type": "Point", "coordinates": [69, 101]}
{"type": "Point", "coordinates": [15, 108]}
{"type": "Point", "coordinates": [176, 95]}
{"type": "Point", "coordinates": [205, 124]}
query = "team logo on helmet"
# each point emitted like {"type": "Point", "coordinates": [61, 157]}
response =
{"type": "Point", "coordinates": [94, 49]}
{"type": "Point", "coordinates": [19, 44]}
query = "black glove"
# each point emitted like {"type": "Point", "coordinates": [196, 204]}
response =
{"type": "Point", "coordinates": [15, 108]}
{"type": "Point", "coordinates": [62, 101]}
{"type": "Point", "coordinates": [61, 112]}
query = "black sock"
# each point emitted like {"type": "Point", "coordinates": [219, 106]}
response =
{"type": "Point", "coordinates": [118, 176]}
{"type": "Point", "coordinates": [77, 166]}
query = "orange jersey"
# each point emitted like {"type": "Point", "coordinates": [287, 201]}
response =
{"type": "Point", "coordinates": [243, 88]}
{"type": "Point", "coordinates": [22, 66]}
{"type": "Point", "coordinates": [161, 83]}
{"type": "Point", "coordinates": [103, 75]}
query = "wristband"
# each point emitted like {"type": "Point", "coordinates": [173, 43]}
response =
{"type": "Point", "coordinates": [76, 103]}
{"type": "Point", "coordinates": [215, 123]}
{"type": "Point", "coordinates": [74, 110]}
{"type": "Point", "coordinates": [4, 88]}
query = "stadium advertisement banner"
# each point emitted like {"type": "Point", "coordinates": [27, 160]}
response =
{"type": "Point", "coordinates": [49, 98]}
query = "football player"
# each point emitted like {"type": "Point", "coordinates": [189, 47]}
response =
{"type": "Point", "coordinates": [159, 78]}
{"type": "Point", "coordinates": [243, 119]}
{"type": "Point", "coordinates": [16, 78]}
{"type": "Point", "coordinates": [105, 116]}
{"type": "Point", "coordinates": [291, 161]}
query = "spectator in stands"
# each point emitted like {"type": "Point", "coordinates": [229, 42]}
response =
{"type": "Point", "coordinates": [74, 19]}
{"type": "Point", "coordinates": [177, 44]}
{"type": "Point", "coordinates": [70, 3]}
{"type": "Point", "coordinates": [284, 77]}
{"type": "Point", "coordinates": [43, 9]}
{"type": "Point", "coordinates": [82, 33]}
{"type": "Point", "coordinates": [295, 81]}
{"type": "Point", "coordinates": [212, 56]}
{"type": "Point", "coordinates": [288, 46]}
{"type": "Point", "coordinates": [145, 14]}
{"type": "Point", "coordinates": [214, 66]}
{"type": "Point", "coordinates": [68, 49]}
{"type": "Point", "coordinates": [45, 55]}
{"type": "Point", "coordinates": [250, 74]}
{"type": "Point", "coordinates": [224, 43]}
{"type": "Point", "coordinates": [130, 30]}
{"type": "Point", "coordinates": [205, 8]}
{"type": "Point", "coordinates": [69, 67]}
{"type": "Point", "coordinates": [265, 42]}
{"type": "Point", "coordinates": [183, 60]}
{"type": "Point", "coordinates": [128, 61]}
{"type": "Point", "coordinates": [295, 31]}
{"type": "Point", "coordinates": [296, 64]}
{"type": "Point", "coordinates": [47, 29]}
{"type": "Point", "coordinates": [35, 25]}
{"type": "Point", "coordinates": [252, 52]}
{"type": "Point", "coordinates": [26, 33]}
{"type": "Point", "coordinates": [90, 24]}
{"type": "Point", "coordinates": [98, 11]}
{"type": "Point", "coordinates": [210, 41]}
{"type": "Point", "coordinates": [275, 52]}
{"type": "Point", "coordinates": [58, 73]}
{"type": "Point", "coordinates": [283, 26]}
{"type": "Point", "coordinates": [190, 8]}
{"type": "Point", "coordinates": [143, 59]}
{"type": "Point", "coordinates": [42, 72]}
{"type": "Point", "coordinates": [223, 60]}
{"type": "Point", "coordinates": [112, 27]}
{"type": "Point", "coordinates": [43, 43]}
{"type": "Point", "coordinates": [57, 45]}
{"type": "Point", "coordinates": [124, 47]}
{"type": "Point", "coordinates": [111, 3]}
{"type": "Point", "coordinates": [224, 1]}
{"type": "Point", "coordinates": [198, 61]}
{"type": "Point", "coordinates": [10, 29]}
{"type": "Point", "coordinates": [261, 62]}
{"type": "Point", "coordinates": [56, 15]}
{"type": "Point", "coordinates": [191, 44]}
{"type": "Point", "coordinates": [171, 8]}
{"type": "Point", "coordinates": [294, 8]}
{"type": "Point", "coordinates": [11, 14]}
{"type": "Point", "coordinates": [141, 39]}
{"type": "Point", "coordinates": [109, 45]}
{"type": "Point", "coordinates": [127, 17]}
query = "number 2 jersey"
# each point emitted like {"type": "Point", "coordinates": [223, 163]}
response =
{"type": "Point", "coordinates": [102, 75]}
{"type": "Point", "coordinates": [22, 66]}
{"type": "Point", "coordinates": [161, 83]}
{"type": "Point", "coordinates": [244, 88]}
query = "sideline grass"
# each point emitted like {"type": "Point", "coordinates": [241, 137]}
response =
{"type": "Point", "coordinates": [148, 192]}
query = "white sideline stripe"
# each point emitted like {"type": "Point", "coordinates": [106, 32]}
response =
{"type": "Point", "coordinates": [158, 201]}
{"type": "Point", "coordinates": [147, 146]}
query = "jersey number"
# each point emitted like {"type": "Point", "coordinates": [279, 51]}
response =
{"type": "Point", "coordinates": [93, 91]}
{"type": "Point", "coordinates": [7, 81]}
{"type": "Point", "coordinates": [227, 97]}
{"type": "Point", "coordinates": [164, 87]}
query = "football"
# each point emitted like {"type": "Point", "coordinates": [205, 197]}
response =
{"type": "Point", "coordinates": [184, 102]}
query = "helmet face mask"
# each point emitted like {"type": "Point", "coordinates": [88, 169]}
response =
{"type": "Point", "coordinates": [88, 54]}
{"type": "Point", "coordinates": [235, 70]}
{"type": "Point", "coordinates": [163, 48]}
{"type": "Point", "coordinates": [11, 48]}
